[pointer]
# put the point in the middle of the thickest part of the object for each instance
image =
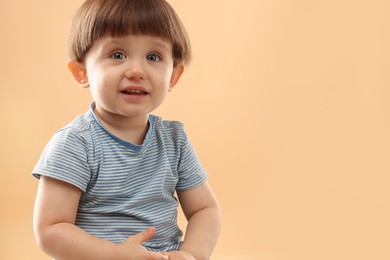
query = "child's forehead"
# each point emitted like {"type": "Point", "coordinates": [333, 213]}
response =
{"type": "Point", "coordinates": [133, 39]}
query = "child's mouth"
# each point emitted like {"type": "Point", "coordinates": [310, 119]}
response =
{"type": "Point", "coordinates": [134, 92]}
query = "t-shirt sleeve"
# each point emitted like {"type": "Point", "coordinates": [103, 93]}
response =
{"type": "Point", "coordinates": [65, 158]}
{"type": "Point", "coordinates": [191, 173]}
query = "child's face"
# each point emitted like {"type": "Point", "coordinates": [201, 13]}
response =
{"type": "Point", "coordinates": [130, 76]}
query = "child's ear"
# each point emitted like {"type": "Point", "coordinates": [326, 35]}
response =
{"type": "Point", "coordinates": [176, 74]}
{"type": "Point", "coordinates": [79, 73]}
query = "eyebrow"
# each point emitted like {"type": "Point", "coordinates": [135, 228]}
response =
{"type": "Point", "coordinates": [108, 45]}
{"type": "Point", "coordinates": [153, 42]}
{"type": "Point", "coordinates": [160, 44]}
{"type": "Point", "coordinates": [111, 42]}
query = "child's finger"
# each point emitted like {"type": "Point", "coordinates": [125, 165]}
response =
{"type": "Point", "coordinates": [144, 235]}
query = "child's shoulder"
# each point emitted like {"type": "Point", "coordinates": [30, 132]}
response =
{"type": "Point", "coordinates": [169, 125]}
{"type": "Point", "coordinates": [80, 123]}
{"type": "Point", "coordinates": [174, 124]}
{"type": "Point", "coordinates": [172, 128]}
{"type": "Point", "coordinates": [79, 127]}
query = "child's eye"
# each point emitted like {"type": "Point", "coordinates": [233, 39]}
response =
{"type": "Point", "coordinates": [153, 57]}
{"type": "Point", "coordinates": [118, 56]}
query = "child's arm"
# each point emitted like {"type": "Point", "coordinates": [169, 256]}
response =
{"type": "Point", "coordinates": [204, 221]}
{"type": "Point", "coordinates": [54, 218]}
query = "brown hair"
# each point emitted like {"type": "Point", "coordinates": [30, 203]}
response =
{"type": "Point", "coordinates": [118, 18]}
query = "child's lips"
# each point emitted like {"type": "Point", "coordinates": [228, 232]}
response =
{"type": "Point", "coordinates": [134, 90]}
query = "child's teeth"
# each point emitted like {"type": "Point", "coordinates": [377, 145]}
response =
{"type": "Point", "coordinates": [133, 91]}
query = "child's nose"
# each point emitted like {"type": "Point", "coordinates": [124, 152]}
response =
{"type": "Point", "coordinates": [135, 70]}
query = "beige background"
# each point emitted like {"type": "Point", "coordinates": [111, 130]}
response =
{"type": "Point", "coordinates": [286, 102]}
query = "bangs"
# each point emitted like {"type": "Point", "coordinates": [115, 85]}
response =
{"type": "Point", "coordinates": [125, 18]}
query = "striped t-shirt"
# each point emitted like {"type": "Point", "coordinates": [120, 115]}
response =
{"type": "Point", "coordinates": [126, 188]}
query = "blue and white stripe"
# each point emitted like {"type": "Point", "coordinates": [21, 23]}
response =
{"type": "Point", "coordinates": [126, 188]}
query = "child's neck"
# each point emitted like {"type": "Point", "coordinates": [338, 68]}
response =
{"type": "Point", "coordinates": [132, 130]}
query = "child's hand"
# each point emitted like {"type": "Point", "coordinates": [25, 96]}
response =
{"type": "Point", "coordinates": [180, 255]}
{"type": "Point", "coordinates": [132, 249]}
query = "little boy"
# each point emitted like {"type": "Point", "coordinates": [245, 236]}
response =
{"type": "Point", "coordinates": [108, 179]}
